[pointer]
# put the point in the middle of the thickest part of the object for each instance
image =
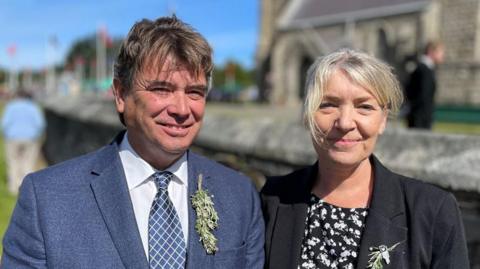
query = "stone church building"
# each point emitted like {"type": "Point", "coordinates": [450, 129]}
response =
{"type": "Point", "coordinates": [293, 33]}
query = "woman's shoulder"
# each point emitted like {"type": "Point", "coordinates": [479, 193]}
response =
{"type": "Point", "coordinates": [295, 180]}
{"type": "Point", "coordinates": [414, 195]}
{"type": "Point", "coordinates": [423, 196]}
{"type": "Point", "coordinates": [416, 187]}
{"type": "Point", "coordinates": [413, 188]}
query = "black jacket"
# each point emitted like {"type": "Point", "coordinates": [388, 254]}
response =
{"type": "Point", "coordinates": [421, 97]}
{"type": "Point", "coordinates": [424, 218]}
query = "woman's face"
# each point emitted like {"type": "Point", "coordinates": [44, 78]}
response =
{"type": "Point", "coordinates": [350, 119]}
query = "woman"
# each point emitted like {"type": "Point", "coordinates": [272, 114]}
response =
{"type": "Point", "coordinates": [348, 210]}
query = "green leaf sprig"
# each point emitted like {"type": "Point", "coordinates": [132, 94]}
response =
{"type": "Point", "coordinates": [207, 218]}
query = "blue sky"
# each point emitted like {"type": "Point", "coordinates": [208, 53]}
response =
{"type": "Point", "coordinates": [231, 26]}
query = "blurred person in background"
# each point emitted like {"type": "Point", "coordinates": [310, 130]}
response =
{"type": "Point", "coordinates": [144, 200]}
{"type": "Point", "coordinates": [422, 86]}
{"type": "Point", "coordinates": [348, 210]}
{"type": "Point", "coordinates": [23, 125]}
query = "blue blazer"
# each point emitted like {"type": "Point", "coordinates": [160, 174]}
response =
{"type": "Point", "coordinates": [78, 214]}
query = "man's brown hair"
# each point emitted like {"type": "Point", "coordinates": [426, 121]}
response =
{"type": "Point", "coordinates": [150, 43]}
{"type": "Point", "coordinates": [432, 45]}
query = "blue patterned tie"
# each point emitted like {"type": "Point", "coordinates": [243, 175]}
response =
{"type": "Point", "coordinates": [165, 237]}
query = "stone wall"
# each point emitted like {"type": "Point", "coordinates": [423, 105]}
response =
{"type": "Point", "coordinates": [459, 29]}
{"type": "Point", "coordinates": [78, 125]}
{"type": "Point", "coordinates": [266, 141]}
{"type": "Point", "coordinates": [459, 84]}
{"type": "Point", "coordinates": [459, 77]}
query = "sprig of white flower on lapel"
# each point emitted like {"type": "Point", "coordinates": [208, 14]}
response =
{"type": "Point", "coordinates": [207, 218]}
{"type": "Point", "coordinates": [379, 255]}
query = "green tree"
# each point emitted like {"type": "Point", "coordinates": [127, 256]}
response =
{"type": "Point", "coordinates": [85, 51]}
{"type": "Point", "coordinates": [233, 72]}
{"type": "Point", "coordinates": [2, 76]}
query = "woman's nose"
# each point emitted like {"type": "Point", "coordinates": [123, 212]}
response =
{"type": "Point", "coordinates": [345, 120]}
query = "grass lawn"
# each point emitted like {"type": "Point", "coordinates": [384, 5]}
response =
{"type": "Point", "coordinates": [7, 201]}
{"type": "Point", "coordinates": [449, 127]}
{"type": "Point", "coordinates": [457, 128]}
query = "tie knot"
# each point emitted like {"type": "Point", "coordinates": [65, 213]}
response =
{"type": "Point", "coordinates": [162, 179]}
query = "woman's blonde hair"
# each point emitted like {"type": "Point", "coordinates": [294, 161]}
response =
{"type": "Point", "coordinates": [363, 69]}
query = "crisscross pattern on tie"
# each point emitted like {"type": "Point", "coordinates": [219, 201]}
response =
{"type": "Point", "coordinates": [165, 237]}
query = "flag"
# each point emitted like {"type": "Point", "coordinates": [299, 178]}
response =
{"type": "Point", "coordinates": [12, 50]}
{"type": "Point", "coordinates": [105, 37]}
{"type": "Point", "coordinates": [79, 60]}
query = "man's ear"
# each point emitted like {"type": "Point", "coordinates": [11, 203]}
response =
{"type": "Point", "coordinates": [119, 93]}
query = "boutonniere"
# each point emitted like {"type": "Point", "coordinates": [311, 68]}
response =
{"type": "Point", "coordinates": [207, 218]}
{"type": "Point", "coordinates": [380, 255]}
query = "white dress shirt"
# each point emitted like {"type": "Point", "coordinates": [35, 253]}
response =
{"type": "Point", "coordinates": [427, 61]}
{"type": "Point", "coordinates": [142, 189]}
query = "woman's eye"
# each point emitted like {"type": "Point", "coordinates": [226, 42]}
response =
{"type": "Point", "coordinates": [326, 105]}
{"type": "Point", "coordinates": [366, 107]}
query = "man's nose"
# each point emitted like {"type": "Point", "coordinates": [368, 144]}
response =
{"type": "Point", "coordinates": [179, 106]}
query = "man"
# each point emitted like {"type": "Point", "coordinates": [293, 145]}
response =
{"type": "Point", "coordinates": [422, 86]}
{"type": "Point", "coordinates": [128, 205]}
{"type": "Point", "coordinates": [23, 124]}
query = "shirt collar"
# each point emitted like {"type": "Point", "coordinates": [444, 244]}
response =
{"type": "Point", "coordinates": [427, 61]}
{"type": "Point", "coordinates": [138, 171]}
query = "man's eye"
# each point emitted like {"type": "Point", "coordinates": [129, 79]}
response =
{"type": "Point", "coordinates": [159, 89]}
{"type": "Point", "coordinates": [196, 94]}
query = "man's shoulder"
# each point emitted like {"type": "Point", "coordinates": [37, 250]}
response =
{"type": "Point", "coordinates": [423, 69]}
{"type": "Point", "coordinates": [219, 173]}
{"type": "Point", "coordinates": [20, 103]}
{"type": "Point", "coordinates": [76, 168]}
{"type": "Point", "coordinates": [212, 165]}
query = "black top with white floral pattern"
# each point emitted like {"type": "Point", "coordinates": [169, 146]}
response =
{"type": "Point", "coordinates": [332, 235]}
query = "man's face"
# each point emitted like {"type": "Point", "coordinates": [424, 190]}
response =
{"type": "Point", "coordinates": [438, 54]}
{"type": "Point", "coordinates": [163, 112]}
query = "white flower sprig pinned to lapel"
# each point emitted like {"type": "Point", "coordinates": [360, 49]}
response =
{"type": "Point", "coordinates": [380, 255]}
{"type": "Point", "coordinates": [207, 218]}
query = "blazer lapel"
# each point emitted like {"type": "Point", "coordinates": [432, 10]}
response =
{"type": "Point", "coordinates": [385, 224]}
{"type": "Point", "coordinates": [196, 257]}
{"type": "Point", "coordinates": [289, 221]}
{"type": "Point", "coordinates": [289, 232]}
{"type": "Point", "coordinates": [111, 193]}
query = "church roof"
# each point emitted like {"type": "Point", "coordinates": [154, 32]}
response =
{"type": "Point", "coordinates": [308, 13]}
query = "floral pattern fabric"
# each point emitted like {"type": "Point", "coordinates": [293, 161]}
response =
{"type": "Point", "coordinates": [332, 236]}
